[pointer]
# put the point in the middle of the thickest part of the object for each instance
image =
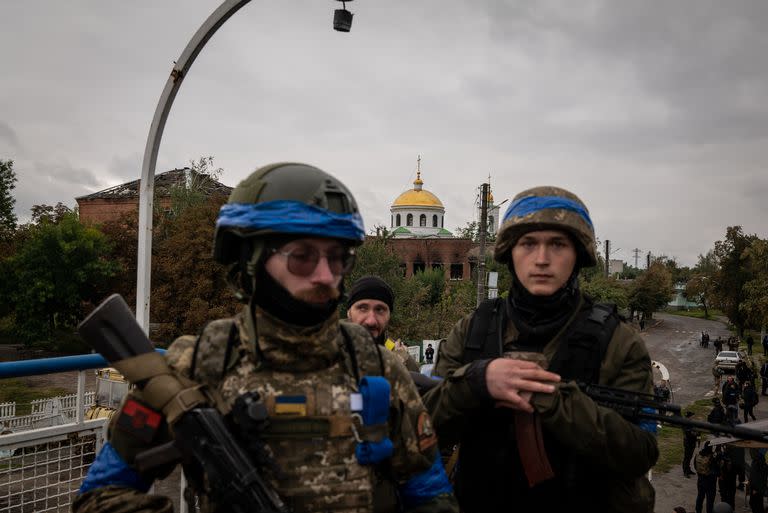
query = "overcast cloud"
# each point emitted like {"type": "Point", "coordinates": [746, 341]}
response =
{"type": "Point", "coordinates": [655, 113]}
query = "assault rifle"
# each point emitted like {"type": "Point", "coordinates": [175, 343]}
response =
{"type": "Point", "coordinates": [636, 406]}
{"type": "Point", "coordinates": [200, 434]}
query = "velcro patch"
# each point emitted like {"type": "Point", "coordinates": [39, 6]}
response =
{"type": "Point", "coordinates": [138, 420]}
{"type": "Point", "coordinates": [291, 405]}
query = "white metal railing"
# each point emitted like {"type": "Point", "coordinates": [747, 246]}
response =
{"type": "Point", "coordinates": [55, 410]}
{"type": "Point", "coordinates": [7, 410]}
{"type": "Point", "coordinates": [42, 469]}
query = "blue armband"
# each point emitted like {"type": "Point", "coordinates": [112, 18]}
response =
{"type": "Point", "coordinates": [425, 486]}
{"type": "Point", "coordinates": [649, 425]}
{"type": "Point", "coordinates": [375, 394]}
{"type": "Point", "coordinates": [109, 468]}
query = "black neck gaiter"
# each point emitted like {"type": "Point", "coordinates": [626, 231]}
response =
{"type": "Point", "coordinates": [275, 299]}
{"type": "Point", "coordinates": [538, 318]}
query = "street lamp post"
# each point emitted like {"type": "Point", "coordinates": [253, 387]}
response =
{"type": "Point", "coordinates": [147, 185]}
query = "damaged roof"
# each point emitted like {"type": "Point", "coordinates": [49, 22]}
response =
{"type": "Point", "coordinates": [163, 184]}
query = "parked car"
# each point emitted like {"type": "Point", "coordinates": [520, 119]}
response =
{"type": "Point", "coordinates": [727, 360]}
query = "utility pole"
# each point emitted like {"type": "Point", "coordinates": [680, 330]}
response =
{"type": "Point", "coordinates": [481, 231]}
{"type": "Point", "coordinates": [648, 260]}
{"type": "Point", "coordinates": [636, 251]}
{"type": "Point", "coordinates": [607, 257]}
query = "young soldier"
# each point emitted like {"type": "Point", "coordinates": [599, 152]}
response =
{"type": "Point", "coordinates": [289, 232]}
{"type": "Point", "coordinates": [530, 438]}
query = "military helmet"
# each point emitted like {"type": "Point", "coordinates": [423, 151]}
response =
{"type": "Point", "coordinates": [286, 199]}
{"type": "Point", "coordinates": [547, 208]}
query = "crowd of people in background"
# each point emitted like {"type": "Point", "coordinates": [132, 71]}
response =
{"type": "Point", "coordinates": [723, 468]}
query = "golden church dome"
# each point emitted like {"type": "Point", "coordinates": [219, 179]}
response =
{"type": "Point", "coordinates": [417, 197]}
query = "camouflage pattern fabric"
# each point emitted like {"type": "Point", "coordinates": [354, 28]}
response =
{"type": "Point", "coordinates": [547, 219]}
{"type": "Point", "coordinates": [121, 500]}
{"type": "Point", "coordinates": [305, 376]}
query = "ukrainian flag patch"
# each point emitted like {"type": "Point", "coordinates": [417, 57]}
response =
{"type": "Point", "coordinates": [291, 405]}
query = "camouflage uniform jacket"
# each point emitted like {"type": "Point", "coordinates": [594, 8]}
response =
{"type": "Point", "coordinates": [619, 453]}
{"type": "Point", "coordinates": [313, 471]}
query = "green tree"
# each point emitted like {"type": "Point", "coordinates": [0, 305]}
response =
{"type": "Point", "coordinates": [7, 201]}
{"type": "Point", "coordinates": [188, 287]}
{"type": "Point", "coordinates": [48, 214]}
{"type": "Point", "coordinates": [57, 271]}
{"type": "Point", "coordinates": [606, 290]}
{"type": "Point", "coordinates": [197, 189]}
{"type": "Point", "coordinates": [700, 287]}
{"type": "Point", "coordinates": [732, 275]}
{"type": "Point", "coordinates": [651, 291]}
{"type": "Point", "coordinates": [755, 304]}
{"type": "Point", "coordinates": [434, 281]}
{"type": "Point", "coordinates": [375, 258]}
{"type": "Point", "coordinates": [123, 236]}
{"type": "Point", "coordinates": [470, 231]}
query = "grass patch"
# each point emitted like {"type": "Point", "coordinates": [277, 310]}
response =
{"type": "Point", "coordinates": [670, 438]}
{"type": "Point", "coordinates": [697, 313]}
{"type": "Point", "coordinates": [14, 390]}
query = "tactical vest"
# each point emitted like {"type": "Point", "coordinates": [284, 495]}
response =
{"type": "Point", "coordinates": [311, 433]}
{"type": "Point", "coordinates": [490, 475]}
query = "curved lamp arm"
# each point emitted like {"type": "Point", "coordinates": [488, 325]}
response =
{"type": "Point", "coordinates": [147, 184]}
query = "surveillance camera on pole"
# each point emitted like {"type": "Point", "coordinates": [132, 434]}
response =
{"type": "Point", "coordinates": [342, 18]}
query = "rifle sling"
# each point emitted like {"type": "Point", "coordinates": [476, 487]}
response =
{"type": "Point", "coordinates": [163, 391]}
{"type": "Point", "coordinates": [530, 446]}
{"type": "Point", "coordinates": [142, 367]}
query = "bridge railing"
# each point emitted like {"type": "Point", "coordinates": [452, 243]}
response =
{"type": "Point", "coordinates": [42, 468]}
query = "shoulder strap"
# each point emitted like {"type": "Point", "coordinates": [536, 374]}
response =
{"type": "Point", "coordinates": [486, 330]}
{"type": "Point", "coordinates": [233, 339]}
{"type": "Point", "coordinates": [357, 354]}
{"type": "Point", "coordinates": [579, 357]}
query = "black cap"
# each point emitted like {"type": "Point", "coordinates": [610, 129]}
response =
{"type": "Point", "coordinates": [371, 287]}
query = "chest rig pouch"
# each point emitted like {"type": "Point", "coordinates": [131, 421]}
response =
{"type": "Point", "coordinates": [325, 431]}
{"type": "Point", "coordinates": [492, 440]}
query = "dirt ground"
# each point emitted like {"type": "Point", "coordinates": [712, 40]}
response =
{"type": "Point", "coordinates": [674, 341]}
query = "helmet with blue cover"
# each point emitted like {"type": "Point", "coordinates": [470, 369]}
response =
{"type": "Point", "coordinates": [286, 199]}
{"type": "Point", "coordinates": [547, 208]}
{"type": "Point", "coordinates": [279, 202]}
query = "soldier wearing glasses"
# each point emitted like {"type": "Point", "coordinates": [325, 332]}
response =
{"type": "Point", "coordinates": [346, 429]}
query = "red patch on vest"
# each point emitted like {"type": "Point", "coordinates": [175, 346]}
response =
{"type": "Point", "coordinates": [425, 432]}
{"type": "Point", "coordinates": [138, 420]}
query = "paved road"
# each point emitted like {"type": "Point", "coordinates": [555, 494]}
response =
{"type": "Point", "coordinates": [674, 341]}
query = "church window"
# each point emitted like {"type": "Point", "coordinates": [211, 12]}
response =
{"type": "Point", "coordinates": [434, 221]}
{"type": "Point", "coordinates": [397, 219]}
{"type": "Point", "coordinates": [490, 224]}
{"type": "Point", "coordinates": [422, 220]}
{"type": "Point", "coordinates": [442, 222]}
{"type": "Point", "coordinates": [409, 220]}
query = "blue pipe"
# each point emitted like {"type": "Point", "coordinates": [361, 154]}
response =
{"type": "Point", "coordinates": [22, 368]}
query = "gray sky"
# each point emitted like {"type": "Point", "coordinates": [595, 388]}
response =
{"type": "Point", "coordinates": [655, 113]}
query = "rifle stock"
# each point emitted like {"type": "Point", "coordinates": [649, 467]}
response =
{"type": "Point", "coordinates": [200, 434]}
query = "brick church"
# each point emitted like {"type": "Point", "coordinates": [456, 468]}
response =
{"type": "Point", "coordinates": [419, 237]}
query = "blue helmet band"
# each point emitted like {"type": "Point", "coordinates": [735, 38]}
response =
{"type": "Point", "coordinates": [285, 216]}
{"type": "Point", "coordinates": [532, 204]}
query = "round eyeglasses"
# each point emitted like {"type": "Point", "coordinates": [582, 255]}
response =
{"type": "Point", "coordinates": [303, 260]}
